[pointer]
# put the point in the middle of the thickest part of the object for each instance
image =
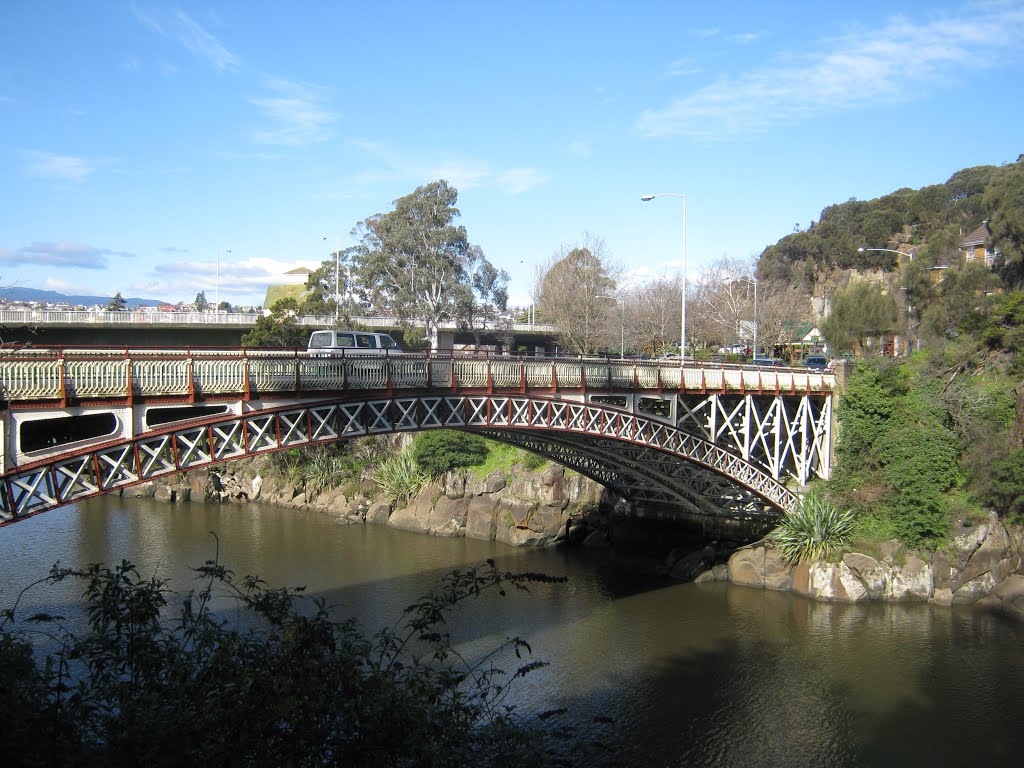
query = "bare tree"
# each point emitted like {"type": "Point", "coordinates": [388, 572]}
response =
{"type": "Point", "coordinates": [724, 302]}
{"type": "Point", "coordinates": [577, 294]}
{"type": "Point", "coordinates": [780, 308]}
{"type": "Point", "coordinates": [650, 315]}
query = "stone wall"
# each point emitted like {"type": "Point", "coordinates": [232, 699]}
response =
{"type": "Point", "coordinates": [983, 565]}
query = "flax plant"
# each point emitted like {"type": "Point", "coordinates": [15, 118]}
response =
{"type": "Point", "coordinates": [399, 478]}
{"type": "Point", "coordinates": [814, 530]}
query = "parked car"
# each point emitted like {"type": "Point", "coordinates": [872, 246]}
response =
{"type": "Point", "coordinates": [331, 342]}
{"type": "Point", "coordinates": [816, 362]}
{"type": "Point", "coordinates": [768, 361]}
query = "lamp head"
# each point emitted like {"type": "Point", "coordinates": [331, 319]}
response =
{"type": "Point", "coordinates": [647, 198]}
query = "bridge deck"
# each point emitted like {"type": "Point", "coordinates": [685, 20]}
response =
{"type": "Point", "coordinates": [58, 377]}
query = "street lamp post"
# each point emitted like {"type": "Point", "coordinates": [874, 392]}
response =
{"type": "Point", "coordinates": [682, 298]}
{"type": "Point", "coordinates": [337, 276]}
{"type": "Point", "coordinates": [216, 306]}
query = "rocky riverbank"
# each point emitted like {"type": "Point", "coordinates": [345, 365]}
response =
{"type": "Point", "coordinates": [983, 565]}
{"type": "Point", "coordinates": [524, 508]}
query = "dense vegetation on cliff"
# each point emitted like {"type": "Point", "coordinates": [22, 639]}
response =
{"type": "Point", "coordinates": [932, 438]}
{"type": "Point", "coordinates": [928, 222]}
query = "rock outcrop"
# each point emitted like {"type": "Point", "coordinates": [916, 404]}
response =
{"type": "Point", "coordinates": [982, 565]}
{"type": "Point", "coordinates": [522, 509]}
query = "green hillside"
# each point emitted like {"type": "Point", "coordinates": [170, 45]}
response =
{"type": "Point", "coordinates": [928, 222]}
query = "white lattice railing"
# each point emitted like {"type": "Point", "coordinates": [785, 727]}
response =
{"type": "Point", "coordinates": [33, 375]}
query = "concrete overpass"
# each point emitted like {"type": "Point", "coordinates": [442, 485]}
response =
{"type": "Point", "coordinates": [49, 327]}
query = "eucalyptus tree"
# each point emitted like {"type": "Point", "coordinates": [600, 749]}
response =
{"type": "Point", "coordinates": [860, 312]}
{"type": "Point", "coordinates": [415, 262]}
{"type": "Point", "coordinates": [577, 294]}
{"type": "Point", "coordinates": [1004, 197]}
{"type": "Point", "coordinates": [487, 298]}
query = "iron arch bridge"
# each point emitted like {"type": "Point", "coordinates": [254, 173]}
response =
{"type": "Point", "coordinates": [713, 439]}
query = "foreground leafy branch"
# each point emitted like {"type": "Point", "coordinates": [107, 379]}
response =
{"type": "Point", "coordinates": [159, 678]}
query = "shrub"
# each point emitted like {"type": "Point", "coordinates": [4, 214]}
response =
{"type": "Point", "coordinates": [813, 530]}
{"type": "Point", "coordinates": [439, 451]}
{"type": "Point", "coordinates": [532, 461]}
{"type": "Point", "coordinates": [1005, 488]}
{"type": "Point", "coordinates": [326, 467]}
{"type": "Point", "coordinates": [399, 478]}
{"type": "Point", "coordinates": [145, 684]}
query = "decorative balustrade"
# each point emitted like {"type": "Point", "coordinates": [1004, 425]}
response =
{"type": "Point", "coordinates": [90, 374]}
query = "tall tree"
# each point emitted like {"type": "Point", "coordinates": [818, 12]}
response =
{"type": "Point", "coordinates": [279, 329]}
{"type": "Point", "coordinates": [859, 312]}
{"type": "Point", "coordinates": [117, 304]}
{"type": "Point", "coordinates": [577, 294]}
{"type": "Point", "coordinates": [334, 287]}
{"type": "Point", "coordinates": [487, 297]}
{"type": "Point", "coordinates": [1004, 198]}
{"type": "Point", "coordinates": [416, 263]}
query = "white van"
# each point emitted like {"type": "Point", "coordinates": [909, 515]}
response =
{"type": "Point", "coordinates": [331, 342]}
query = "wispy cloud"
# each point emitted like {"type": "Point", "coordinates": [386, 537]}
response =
{"type": "Point", "coordinates": [178, 26]}
{"type": "Point", "coordinates": [515, 181]}
{"type": "Point", "coordinates": [61, 254]}
{"type": "Point", "coordinates": [745, 37]}
{"type": "Point", "coordinates": [296, 112]}
{"type": "Point", "coordinates": [250, 276]}
{"type": "Point", "coordinates": [580, 148]}
{"type": "Point", "coordinates": [863, 68]}
{"type": "Point", "coordinates": [683, 67]}
{"type": "Point", "coordinates": [461, 172]}
{"type": "Point", "coordinates": [53, 167]}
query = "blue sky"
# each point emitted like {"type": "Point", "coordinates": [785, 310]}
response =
{"type": "Point", "coordinates": [140, 139]}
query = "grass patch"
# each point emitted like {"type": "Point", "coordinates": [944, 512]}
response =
{"type": "Point", "coordinates": [504, 457]}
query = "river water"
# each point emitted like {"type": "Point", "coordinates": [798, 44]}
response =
{"type": "Point", "coordinates": [691, 675]}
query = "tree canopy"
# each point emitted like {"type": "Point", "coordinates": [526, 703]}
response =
{"type": "Point", "coordinates": [928, 221]}
{"type": "Point", "coordinates": [279, 329]}
{"type": "Point", "coordinates": [415, 262]}
{"type": "Point", "coordinates": [859, 312]}
{"type": "Point", "coordinates": [577, 295]}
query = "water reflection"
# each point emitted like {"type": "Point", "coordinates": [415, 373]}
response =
{"type": "Point", "coordinates": [693, 675]}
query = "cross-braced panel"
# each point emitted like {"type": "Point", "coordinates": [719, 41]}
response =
{"type": "Point", "coordinates": [759, 440]}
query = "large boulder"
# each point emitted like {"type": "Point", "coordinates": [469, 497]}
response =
{"type": "Point", "coordinates": [835, 582]}
{"type": "Point", "coordinates": [455, 485]}
{"type": "Point", "coordinates": [492, 483]}
{"type": "Point", "coordinates": [875, 576]}
{"type": "Point", "coordinates": [548, 520]}
{"type": "Point", "coordinates": [746, 567]}
{"type": "Point", "coordinates": [913, 579]}
{"type": "Point", "coordinates": [481, 517]}
{"type": "Point", "coordinates": [378, 513]}
{"type": "Point", "coordinates": [415, 517]}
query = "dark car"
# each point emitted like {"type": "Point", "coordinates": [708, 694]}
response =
{"type": "Point", "coordinates": [816, 362]}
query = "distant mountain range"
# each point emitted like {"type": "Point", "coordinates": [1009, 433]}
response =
{"type": "Point", "coordinates": [52, 297]}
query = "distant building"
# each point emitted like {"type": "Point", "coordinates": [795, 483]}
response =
{"type": "Point", "coordinates": [976, 248]}
{"type": "Point", "coordinates": [295, 286]}
{"type": "Point", "coordinates": [298, 275]}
